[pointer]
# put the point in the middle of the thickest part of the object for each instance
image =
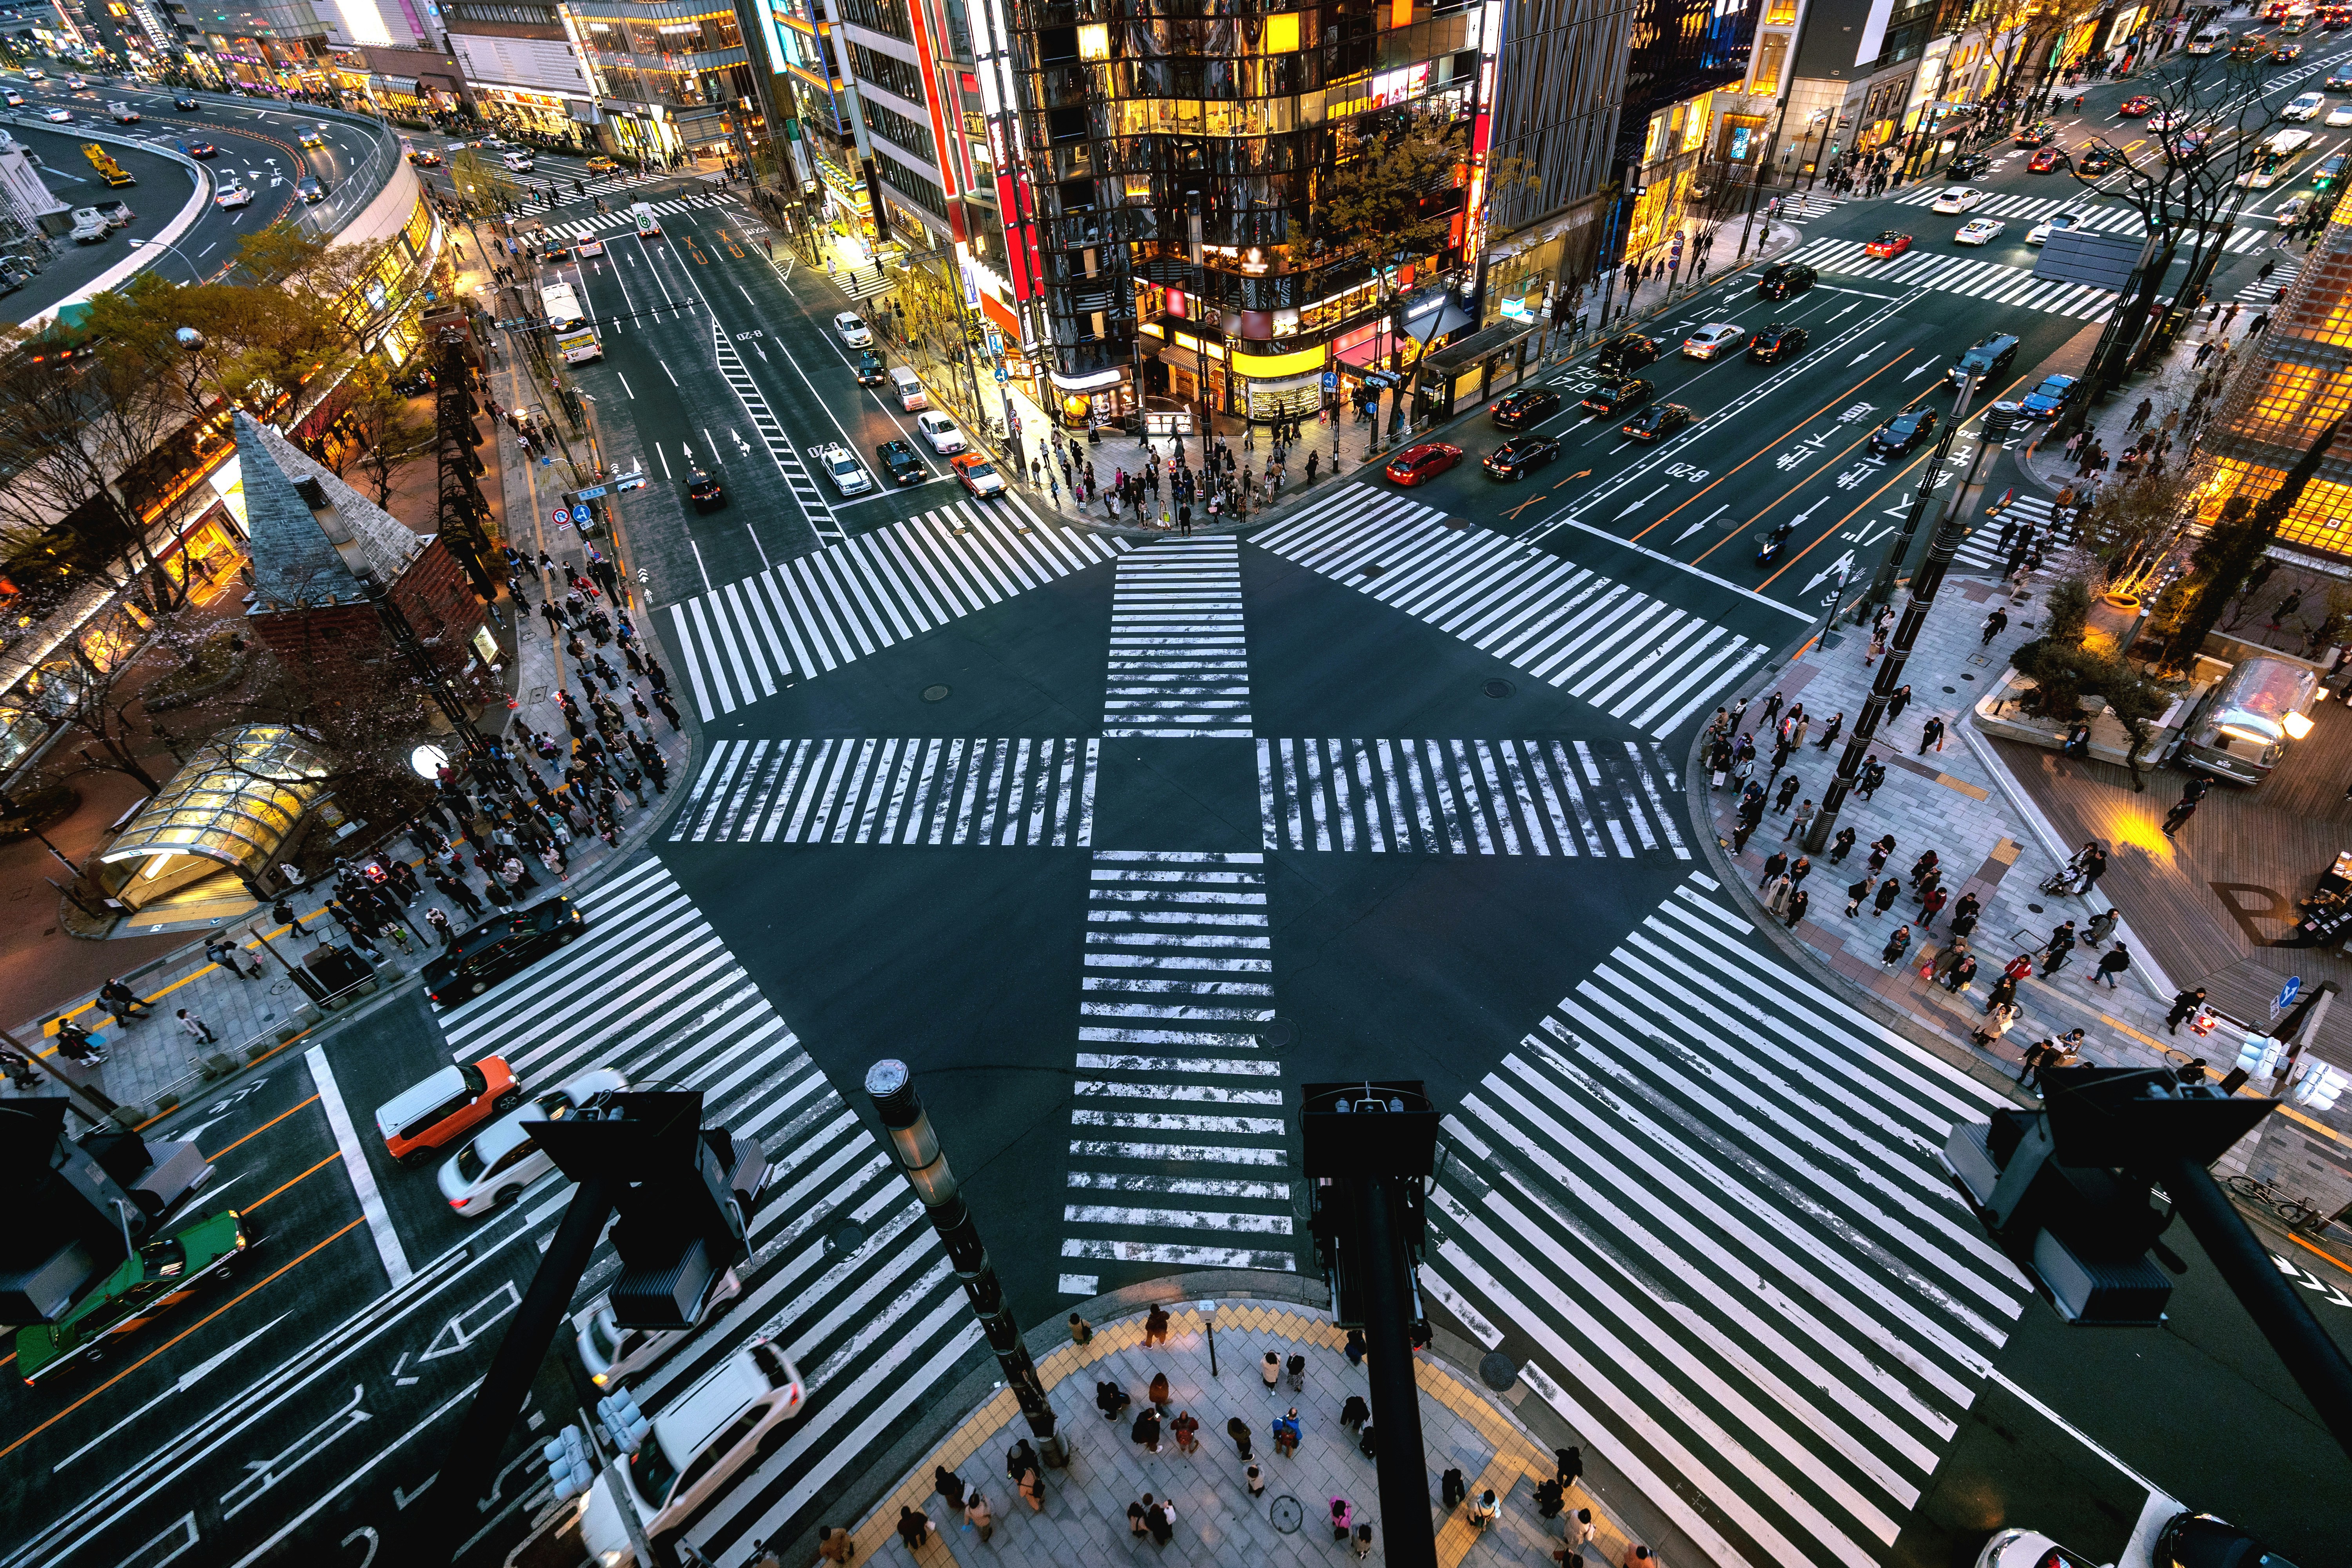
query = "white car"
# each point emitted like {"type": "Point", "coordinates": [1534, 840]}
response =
{"type": "Point", "coordinates": [2040, 232]}
{"type": "Point", "coordinates": [75, 84]}
{"type": "Point", "coordinates": [940, 432]}
{"type": "Point", "coordinates": [853, 330]}
{"type": "Point", "coordinates": [1979, 231]}
{"type": "Point", "coordinates": [591, 247]}
{"type": "Point", "coordinates": [57, 116]}
{"type": "Point", "coordinates": [692, 1448]}
{"type": "Point", "coordinates": [1713, 338]}
{"type": "Point", "coordinates": [612, 1352]}
{"type": "Point", "coordinates": [520, 163]}
{"type": "Point", "coordinates": [2341, 115]}
{"type": "Point", "coordinates": [849, 475]}
{"type": "Point", "coordinates": [232, 196]}
{"type": "Point", "coordinates": [2305, 107]}
{"type": "Point", "coordinates": [90, 226]}
{"type": "Point", "coordinates": [502, 1159]}
{"type": "Point", "coordinates": [1959, 199]}
{"type": "Point", "coordinates": [2028, 1549]}
{"type": "Point", "coordinates": [2162, 120]}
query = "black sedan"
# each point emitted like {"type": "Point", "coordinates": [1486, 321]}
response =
{"type": "Point", "coordinates": [1776, 342]}
{"type": "Point", "coordinates": [1529, 405]}
{"type": "Point", "coordinates": [900, 464]}
{"type": "Point", "coordinates": [1785, 280]}
{"type": "Point", "coordinates": [311, 188]}
{"type": "Point", "coordinates": [2049, 400]}
{"type": "Point", "coordinates": [1515, 457]}
{"type": "Point", "coordinates": [1613, 398]}
{"type": "Point", "coordinates": [499, 947]}
{"type": "Point", "coordinates": [1967, 166]}
{"type": "Point", "coordinates": [871, 371]}
{"type": "Point", "coordinates": [183, 101]}
{"type": "Point", "coordinates": [202, 150]}
{"type": "Point", "coordinates": [1658, 422]}
{"type": "Point", "coordinates": [1904, 431]}
{"type": "Point", "coordinates": [1624, 355]}
{"type": "Point", "coordinates": [705, 492]}
{"type": "Point", "coordinates": [2097, 161]}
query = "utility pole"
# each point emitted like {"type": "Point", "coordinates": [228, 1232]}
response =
{"type": "Point", "coordinates": [1924, 584]}
{"type": "Point", "coordinates": [891, 1086]}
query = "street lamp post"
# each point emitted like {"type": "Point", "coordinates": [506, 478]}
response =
{"type": "Point", "coordinates": [195, 273]}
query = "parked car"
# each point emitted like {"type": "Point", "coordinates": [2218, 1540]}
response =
{"type": "Point", "coordinates": [164, 1272]}
{"type": "Point", "coordinates": [977, 474]}
{"type": "Point", "coordinates": [90, 226]}
{"type": "Point", "coordinates": [1657, 422]}
{"type": "Point", "coordinates": [1786, 280]}
{"type": "Point", "coordinates": [1904, 431]}
{"type": "Point", "coordinates": [117, 213]}
{"type": "Point", "coordinates": [1890, 243]}
{"type": "Point", "coordinates": [506, 943]}
{"type": "Point", "coordinates": [1614, 397]}
{"type": "Point", "coordinates": [1529, 405]}
{"type": "Point", "coordinates": [900, 464]}
{"type": "Point", "coordinates": [1421, 462]}
{"type": "Point", "coordinates": [494, 1167]}
{"type": "Point", "coordinates": [1713, 338]}
{"type": "Point", "coordinates": [940, 432]}
{"type": "Point", "coordinates": [442, 1107]}
{"type": "Point", "coordinates": [1514, 457]}
{"type": "Point", "coordinates": [703, 489]}
{"type": "Point", "coordinates": [1776, 342]}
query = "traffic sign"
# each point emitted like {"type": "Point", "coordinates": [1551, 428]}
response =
{"type": "Point", "coordinates": [2288, 992]}
{"type": "Point", "coordinates": [1330, 380]}
{"type": "Point", "coordinates": [597, 493]}
{"type": "Point", "coordinates": [999, 375]}
{"type": "Point", "coordinates": [579, 514]}
{"type": "Point", "coordinates": [562, 516]}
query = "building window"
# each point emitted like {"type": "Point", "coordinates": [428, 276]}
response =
{"type": "Point", "coordinates": [1772, 53]}
{"type": "Point", "coordinates": [887, 71]}
{"type": "Point", "coordinates": [892, 126]}
{"type": "Point", "coordinates": [914, 185]}
{"type": "Point", "coordinates": [879, 15]}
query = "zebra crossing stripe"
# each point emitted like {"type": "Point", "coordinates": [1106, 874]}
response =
{"type": "Point", "coordinates": [1178, 658]}
{"type": "Point", "coordinates": [1968, 275]}
{"type": "Point", "coordinates": [1027, 792]}
{"type": "Point", "coordinates": [1455, 797]}
{"type": "Point", "coordinates": [651, 990]}
{"type": "Point", "coordinates": [818, 612]}
{"type": "Point", "coordinates": [1178, 951]}
{"type": "Point", "coordinates": [1696, 1104]}
{"type": "Point", "coordinates": [1631, 655]}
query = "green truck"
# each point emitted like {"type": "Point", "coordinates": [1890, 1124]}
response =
{"type": "Point", "coordinates": [163, 1272]}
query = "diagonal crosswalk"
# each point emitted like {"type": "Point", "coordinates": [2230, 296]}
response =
{"type": "Point", "coordinates": [1702, 1199]}
{"type": "Point", "coordinates": [2034, 209]}
{"type": "Point", "coordinates": [1180, 1147]}
{"type": "Point", "coordinates": [1635, 658]}
{"type": "Point", "coordinates": [1033, 793]}
{"type": "Point", "coordinates": [1178, 658]}
{"type": "Point", "coordinates": [1969, 275]}
{"type": "Point", "coordinates": [818, 612]}
{"type": "Point", "coordinates": [846, 1273]}
{"type": "Point", "coordinates": [1569, 798]}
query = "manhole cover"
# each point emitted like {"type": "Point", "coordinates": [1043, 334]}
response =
{"type": "Point", "coordinates": [935, 693]}
{"type": "Point", "coordinates": [2033, 909]}
{"type": "Point", "coordinates": [1497, 687]}
{"type": "Point", "coordinates": [843, 1238]}
{"type": "Point", "coordinates": [1374, 569]}
{"type": "Point", "coordinates": [1286, 1515]}
{"type": "Point", "coordinates": [1497, 1371]}
{"type": "Point", "coordinates": [1949, 690]}
{"type": "Point", "coordinates": [1968, 677]}
{"type": "Point", "coordinates": [1278, 1032]}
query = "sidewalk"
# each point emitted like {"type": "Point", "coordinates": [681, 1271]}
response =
{"type": "Point", "coordinates": [1084, 1520]}
{"type": "Point", "coordinates": [154, 1058]}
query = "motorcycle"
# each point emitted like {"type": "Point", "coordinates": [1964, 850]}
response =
{"type": "Point", "coordinates": [1768, 548]}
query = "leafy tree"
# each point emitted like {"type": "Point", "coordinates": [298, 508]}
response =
{"type": "Point", "coordinates": [390, 434]}
{"type": "Point", "coordinates": [1392, 196]}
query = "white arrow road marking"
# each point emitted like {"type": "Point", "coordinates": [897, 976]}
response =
{"type": "Point", "coordinates": [1702, 522]}
{"type": "Point", "coordinates": [1865, 353]}
{"type": "Point", "coordinates": [1643, 502]}
{"type": "Point", "coordinates": [188, 1380]}
{"type": "Point", "coordinates": [1922, 370]}
{"type": "Point", "coordinates": [1833, 569]}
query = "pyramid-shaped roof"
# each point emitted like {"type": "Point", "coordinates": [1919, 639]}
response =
{"type": "Point", "coordinates": [306, 555]}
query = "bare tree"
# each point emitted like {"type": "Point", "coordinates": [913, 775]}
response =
{"type": "Point", "coordinates": [391, 435]}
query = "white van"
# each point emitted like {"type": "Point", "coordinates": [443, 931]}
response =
{"type": "Point", "coordinates": [612, 1352]}
{"type": "Point", "coordinates": [910, 389]}
{"type": "Point", "coordinates": [696, 1444]}
{"type": "Point", "coordinates": [648, 226]}
{"type": "Point", "coordinates": [2208, 39]}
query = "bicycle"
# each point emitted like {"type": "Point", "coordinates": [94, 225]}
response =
{"type": "Point", "coordinates": [2292, 1212]}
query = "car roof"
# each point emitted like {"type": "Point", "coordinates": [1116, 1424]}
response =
{"type": "Point", "coordinates": [495, 1141]}
{"type": "Point", "coordinates": [703, 1411]}
{"type": "Point", "coordinates": [417, 1096]}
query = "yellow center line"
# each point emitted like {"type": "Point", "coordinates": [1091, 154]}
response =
{"type": "Point", "coordinates": [167, 1344]}
{"type": "Point", "coordinates": [264, 1127]}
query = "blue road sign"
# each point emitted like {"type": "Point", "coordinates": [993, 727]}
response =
{"type": "Point", "coordinates": [595, 494]}
{"type": "Point", "coordinates": [579, 514]}
{"type": "Point", "coordinates": [1330, 380]}
{"type": "Point", "coordinates": [2288, 992]}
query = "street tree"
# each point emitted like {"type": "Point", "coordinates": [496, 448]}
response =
{"type": "Point", "coordinates": [1394, 196]}
{"type": "Point", "coordinates": [390, 434]}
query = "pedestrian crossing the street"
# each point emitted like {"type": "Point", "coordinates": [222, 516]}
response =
{"type": "Point", "coordinates": [818, 612]}
{"type": "Point", "coordinates": [1702, 1200]}
{"type": "Point", "coordinates": [1180, 1143]}
{"type": "Point", "coordinates": [1992, 281]}
{"type": "Point", "coordinates": [1408, 796]}
{"type": "Point", "coordinates": [1632, 657]}
{"type": "Point", "coordinates": [861, 283]}
{"type": "Point", "coordinates": [846, 1273]}
{"type": "Point", "coordinates": [1178, 657]}
{"type": "Point", "coordinates": [1027, 793]}
{"type": "Point", "coordinates": [2265, 291]}
{"type": "Point", "coordinates": [1983, 549]}
{"type": "Point", "coordinates": [2034, 209]}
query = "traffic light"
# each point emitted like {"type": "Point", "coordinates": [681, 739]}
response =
{"type": "Point", "coordinates": [1351, 1133]}
{"type": "Point", "coordinates": [2065, 1190]}
{"type": "Point", "coordinates": [567, 1464]}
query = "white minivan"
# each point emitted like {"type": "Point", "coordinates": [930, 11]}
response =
{"type": "Point", "coordinates": [695, 1446]}
{"type": "Point", "coordinates": [910, 390]}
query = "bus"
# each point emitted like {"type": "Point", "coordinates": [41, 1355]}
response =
{"type": "Point", "coordinates": [648, 226]}
{"type": "Point", "coordinates": [574, 335]}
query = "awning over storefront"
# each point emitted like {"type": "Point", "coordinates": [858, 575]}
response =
{"type": "Point", "coordinates": [236, 802]}
{"type": "Point", "coordinates": [406, 84]}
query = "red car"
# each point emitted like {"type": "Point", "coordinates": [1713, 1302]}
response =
{"type": "Point", "coordinates": [2047, 160]}
{"type": "Point", "coordinates": [1423, 461]}
{"type": "Point", "coordinates": [2137, 104]}
{"type": "Point", "coordinates": [1887, 244]}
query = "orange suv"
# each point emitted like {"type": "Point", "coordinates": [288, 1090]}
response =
{"type": "Point", "coordinates": [445, 1107]}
